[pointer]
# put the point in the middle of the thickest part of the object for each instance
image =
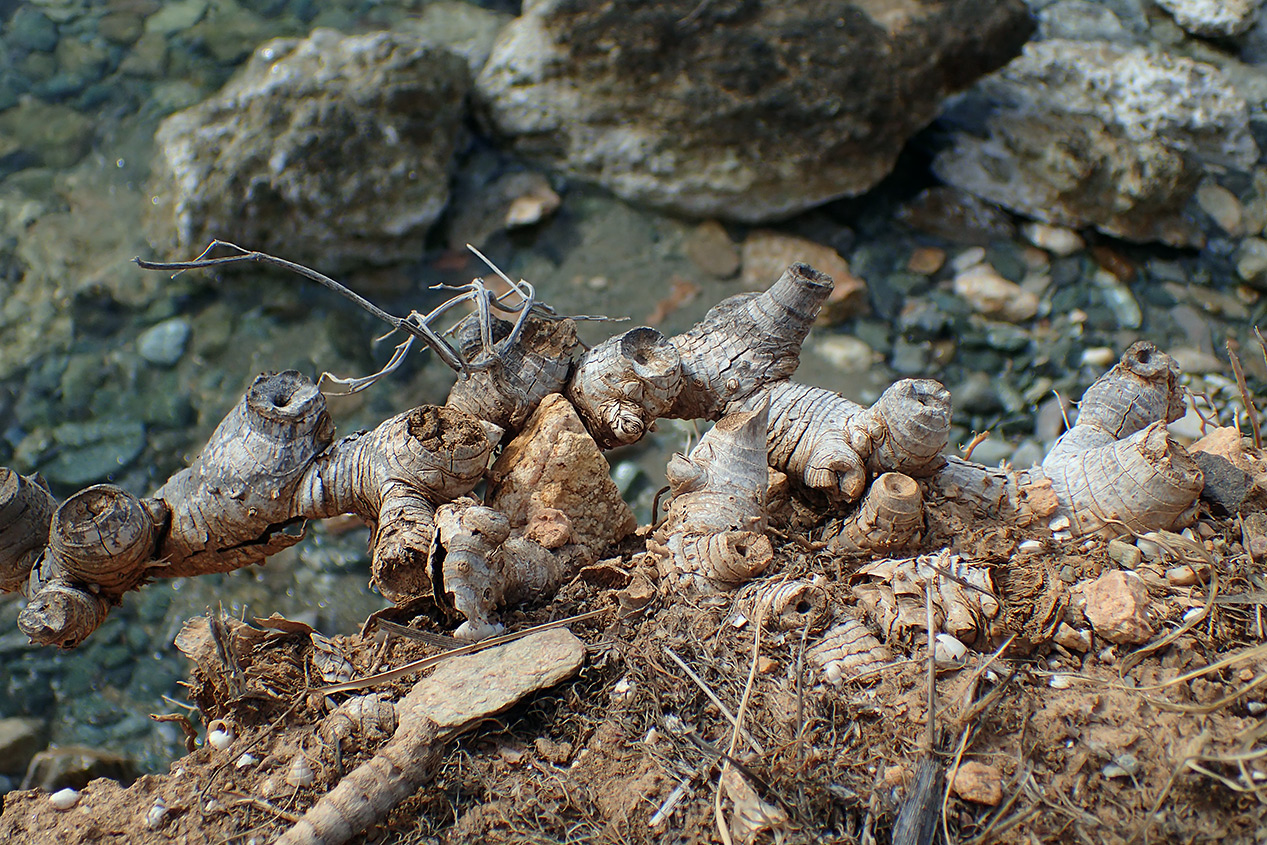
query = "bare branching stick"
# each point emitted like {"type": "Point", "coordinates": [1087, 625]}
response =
{"type": "Point", "coordinates": [416, 327]}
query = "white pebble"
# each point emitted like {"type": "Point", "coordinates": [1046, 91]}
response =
{"type": "Point", "coordinates": [1098, 356]}
{"type": "Point", "coordinates": [1030, 546]}
{"type": "Point", "coordinates": [949, 653]}
{"type": "Point", "coordinates": [157, 813]}
{"type": "Point", "coordinates": [246, 760]}
{"type": "Point", "coordinates": [1056, 239]}
{"type": "Point", "coordinates": [1060, 682]}
{"type": "Point", "coordinates": [64, 799]}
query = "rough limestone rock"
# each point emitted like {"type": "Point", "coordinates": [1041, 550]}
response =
{"type": "Point", "coordinates": [1213, 18]}
{"type": "Point", "coordinates": [746, 111]}
{"type": "Point", "coordinates": [554, 468]}
{"type": "Point", "coordinates": [1103, 135]}
{"type": "Point", "coordinates": [330, 150]}
{"type": "Point", "coordinates": [1118, 607]}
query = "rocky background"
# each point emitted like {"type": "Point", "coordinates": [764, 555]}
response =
{"type": "Point", "coordinates": [1008, 194]}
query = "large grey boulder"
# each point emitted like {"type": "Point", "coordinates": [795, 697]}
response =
{"type": "Point", "coordinates": [1104, 135]}
{"type": "Point", "coordinates": [332, 150]}
{"type": "Point", "coordinates": [739, 109]}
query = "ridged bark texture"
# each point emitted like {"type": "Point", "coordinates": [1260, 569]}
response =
{"type": "Point", "coordinates": [714, 535]}
{"type": "Point", "coordinates": [508, 380]}
{"type": "Point", "coordinates": [26, 507]}
{"type": "Point", "coordinates": [268, 467]}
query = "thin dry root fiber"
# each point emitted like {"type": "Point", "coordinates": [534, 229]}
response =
{"type": "Point", "coordinates": [510, 376]}
{"type": "Point", "coordinates": [846, 650]}
{"type": "Point", "coordinates": [889, 518]}
{"type": "Point", "coordinates": [26, 507]}
{"type": "Point", "coordinates": [714, 534]}
{"type": "Point", "coordinates": [268, 467]}
{"type": "Point", "coordinates": [624, 384]}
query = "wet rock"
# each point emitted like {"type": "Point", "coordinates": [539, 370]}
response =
{"type": "Point", "coordinates": [264, 162]}
{"type": "Point", "coordinates": [1118, 607]}
{"type": "Point", "coordinates": [1213, 18]}
{"type": "Point", "coordinates": [994, 296]}
{"type": "Point", "coordinates": [1054, 239]}
{"type": "Point", "coordinates": [554, 469]}
{"type": "Point", "coordinates": [1082, 20]}
{"type": "Point", "coordinates": [711, 250]}
{"type": "Point", "coordinates": [767, 254]}
{"type": "Point", "coordinates": [30, 29]}
{"type": "Point", "coordinates": [978, 782]}
{"type": "Point", "coordinates": [464, 28]}
{"type": "Point", "coordinates": [926, 260]}
{"type": "Point", "coordinates": [163, 344]}
{"type": "Point", "coordinates": [957, 216]}
{"type": "Point", "coordinates": [176, 17]}
{"type": "Point", "coordinates": [1251, 262]}
{"type": "Point", "coordinates": [20, 740]}
{"type": "Point", "coordinates": [746, 112]}
{"type": "Point", "coordinates": [1222, 206]}
{"type": "Point", "coordinates": [121, 28]}
{"type": "Point", "coordinates": [93, 451]}
{"type": "Point", "coordinates": [519, 198]}
{"type": "Point", "coordinates": [74, 766]}
{"type": "Point", "coordinates": [49, 134]}
{"type": "Point", "coordinates": [1103, 135]}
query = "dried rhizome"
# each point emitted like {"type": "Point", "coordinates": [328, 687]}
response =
{"type": "Point", "coordinates": [274, 463]}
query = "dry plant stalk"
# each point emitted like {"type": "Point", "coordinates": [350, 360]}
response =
{"type": "Point", "coordinates": [714, 535]}
{"type": "Point", "coordinates": [1114, 472]}
{"type": "Point", "coordinates": [270, 465]}
{"type": "Point", "coordinates": [462, 692]}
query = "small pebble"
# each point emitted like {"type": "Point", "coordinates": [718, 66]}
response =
{"type": "Point", "coordinates": [1251, 262]}
{"type": "Point", "coordinates": [1100, 357]}
{"type": "Point", "coordinates": [994, 296]}
{"type": "Point", "coordinates": [949, 653]}
{"type": "Point", "coordinates": [1072, 638]}
{"type": "Point", "coordinates": [979, 783]}
{"type": "Point", "coordinates": [1126, 554]}
{"type": "Point", "coordinates": [970, 257]}
{"type": "Point", "coordinates": [846, 353]}
{"type": "Point", "coordinates": [164, 344]}
{"type": "Point", "coordinates": [64, 799]}
{"type": "Point", "coordinates": [1222, 206]}
{"type": "Point", "coordinates": [1054, 239]}
{"type": "Point", "coordinates": [1118, 607]}
{"type": "Point", "coordinates": [246, 760]}
{"type": "Point", "coordinates": [710, 249]}
{"type": "Point", "coordinates": [1060, 682]}
{"type": "Point", "coordinates": [1186, 575]}
{"type": "Point", "coordinates": [926, 260]}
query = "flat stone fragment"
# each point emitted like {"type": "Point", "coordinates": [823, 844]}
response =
{"type": "Point", "coordinates": [1118, 608]}
{"type": "Point", "coordinates": [467, 689]}
{"type": "Point", "coordinates": [979, 783]}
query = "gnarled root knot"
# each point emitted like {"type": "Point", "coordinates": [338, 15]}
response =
{"type": "Point", "coordinates": [268, 467]}
{"type": "Point", "coordinates": [1114, 472]}
{"type": "Point", "coordinates": [714, 535]}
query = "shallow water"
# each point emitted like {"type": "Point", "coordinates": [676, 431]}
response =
{"type": "Point", "coordinates": [82, 398]}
